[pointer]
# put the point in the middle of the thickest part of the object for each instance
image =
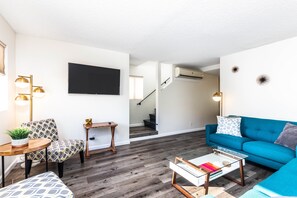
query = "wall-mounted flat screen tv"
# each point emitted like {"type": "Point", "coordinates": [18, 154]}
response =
{"type": "Point", "coordinates": [87, 79]}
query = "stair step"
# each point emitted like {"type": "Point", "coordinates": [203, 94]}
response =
{"type": "Point", "coordinates": [150, 124]}
{"type": "Point", "coordinates": [152, 117]}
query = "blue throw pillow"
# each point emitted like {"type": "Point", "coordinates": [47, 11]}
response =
{"type": "Point", "coordinates": [288, 136]}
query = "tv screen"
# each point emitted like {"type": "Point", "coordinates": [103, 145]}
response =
{"type": "Point", "coordinates": [87, 79]}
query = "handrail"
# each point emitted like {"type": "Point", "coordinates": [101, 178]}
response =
{"type": "Point", "coordinates": [163, 83]}
{"type": "Point", "coordinates": [152, 92]}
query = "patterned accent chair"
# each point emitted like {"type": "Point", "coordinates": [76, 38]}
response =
{"type": "Point", "coordinates": [59, 150]}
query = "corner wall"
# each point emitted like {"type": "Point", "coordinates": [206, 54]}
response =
{"type": "Point", "coordinates": [186, 105]}
{"type": "Point", "coordinates": [276, 99]}
{"type": "Point", "coordinates": [47, 60]}
{"type": "Point", "coordinates": [7, 91]}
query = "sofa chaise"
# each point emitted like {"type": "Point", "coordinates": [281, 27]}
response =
{"type": "Point", "coordinates": [281, 183]}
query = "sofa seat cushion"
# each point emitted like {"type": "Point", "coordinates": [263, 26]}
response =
{"type": "Point", "coordinates": [228, 140]}
{"type": "Point", "coordinates": [270, 151]}
{"type": "Point", "coordinates": [281, 183]}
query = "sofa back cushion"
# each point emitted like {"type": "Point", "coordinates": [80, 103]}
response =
{"type": "Point", "coordinates": [262, 129]}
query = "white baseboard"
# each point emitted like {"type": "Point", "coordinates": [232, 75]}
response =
{"type": "Point", "coordinates": [9, 168]}
{"type": "Point", "coordinates": [167, 134]}
{"type": "Point", "coordinates": [137, 125]}
{"type": "Point", "coordinates": [95, 147]}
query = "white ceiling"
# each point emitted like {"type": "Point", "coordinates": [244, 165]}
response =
{"type": "Point", "coordinates": [186, 32]}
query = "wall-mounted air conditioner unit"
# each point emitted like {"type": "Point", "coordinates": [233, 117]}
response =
{"type": "Point", "coordinates": [188, 73]}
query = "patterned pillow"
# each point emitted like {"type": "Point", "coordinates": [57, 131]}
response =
{"type": "Point", "coordinates": [229, 125]}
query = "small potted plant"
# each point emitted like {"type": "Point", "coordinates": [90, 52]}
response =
{"type": "Point", "coordinates": [19, 137]}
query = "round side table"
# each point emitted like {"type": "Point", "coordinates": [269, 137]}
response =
{"type": "Point", "coordinates": [33, 145]}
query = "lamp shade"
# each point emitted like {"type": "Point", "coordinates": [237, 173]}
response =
{"type": "Point", "coordinates": [217, 96]}
{"type": "Point", "coordinates": [21, 100]}
{"type": "Point", "coordinates": [22, 82]}
{"type": "Point", "coordinates": [38, 92]}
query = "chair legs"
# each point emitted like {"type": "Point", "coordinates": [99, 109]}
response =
{"type": "Point", "coordinates": [28, 168]}
{"type": "Point", "coordinates": [82, 157]}
{"type": "Point", "coordinates": [60, 165]}
{"type": "Point", "coordinates": [60, 169]}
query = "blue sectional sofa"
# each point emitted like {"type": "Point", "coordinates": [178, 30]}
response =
{"type": "Point", "coordinates": [281, 183]}
{"type": "Point", "coordinates": [257, 141]}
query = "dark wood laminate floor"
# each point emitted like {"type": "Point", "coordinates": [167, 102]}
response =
{"type": "Point", "coordinates": [141, 131]}
{"type": "Point", "coordinates": [141, 170]}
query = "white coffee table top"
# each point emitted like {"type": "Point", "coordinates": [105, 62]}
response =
{"type": "Point", "coordinates": [225, 159]}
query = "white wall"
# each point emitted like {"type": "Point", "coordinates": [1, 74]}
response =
{"type": "Point", "coordinates": [138, 113]}
{"type": "Point", "coordinates": [48, 61]}
{"type": "Point", "coordinates": [166, 72]}
{"type": "Point", "coordinates": [187, 105]}
{"type": "Point", "coordinates": [242, 94]}
{"type": "Point", "coordinates": [212, 69]}
{"type": "Point", "coordinates": [7, 91]}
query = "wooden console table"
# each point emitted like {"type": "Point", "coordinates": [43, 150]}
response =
{"type": "Point", "coordinates": [33, 145]}
{"type": "Point", "coordinates": [112, 147]}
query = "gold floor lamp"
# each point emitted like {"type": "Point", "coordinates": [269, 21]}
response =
{"type": "Point", "coordinates": [24, 98]}
{"type": "Point", "coordinates": [218, 97]}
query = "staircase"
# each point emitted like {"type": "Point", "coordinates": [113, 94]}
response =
{"type": "Point", "coordinates": [151, 123]}
{"type": "Point", "coordinates": [148, 129]}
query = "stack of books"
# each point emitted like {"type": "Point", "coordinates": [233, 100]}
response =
{"type": "Point", "coordinates": [211, 168]}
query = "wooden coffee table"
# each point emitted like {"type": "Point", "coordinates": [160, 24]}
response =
{"type": "Point", "coordinates": [226, 160]}
{"type": "Point", "coordinates": [33, 145]}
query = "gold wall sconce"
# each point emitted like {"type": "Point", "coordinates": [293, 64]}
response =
{"type": "Point", "coordinates": [25, 98]}
{"type": "Point", "coordinates": [218, 97]}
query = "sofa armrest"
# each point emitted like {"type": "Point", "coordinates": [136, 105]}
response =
{"type": "Point", "coordinates": [210, 129]}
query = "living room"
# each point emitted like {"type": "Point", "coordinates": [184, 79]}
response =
{"type": "Point", "coordinates": [252, 44]}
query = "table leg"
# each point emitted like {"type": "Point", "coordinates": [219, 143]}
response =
{"type": "Point", "coordinates": [173, 181]}
{"type": "Point", "coordinates": [3, 176]}
{"type": "Point", "coordinates": [178, 187]}
{"type": "Point", "coordinates": [112, 145]}
{"type": "Point", "coordinates": [87, 154]}
{"type": "Point", "coordinates": [241, 173]}
{"type": "Point", "coordinates": [26, 165]}
{"type": "Point", "coordinates": [206, 184]}
{"type": "Point", "coordinates": [241, 182]}
{"type": "Point", "coordinates": [46, 160]}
